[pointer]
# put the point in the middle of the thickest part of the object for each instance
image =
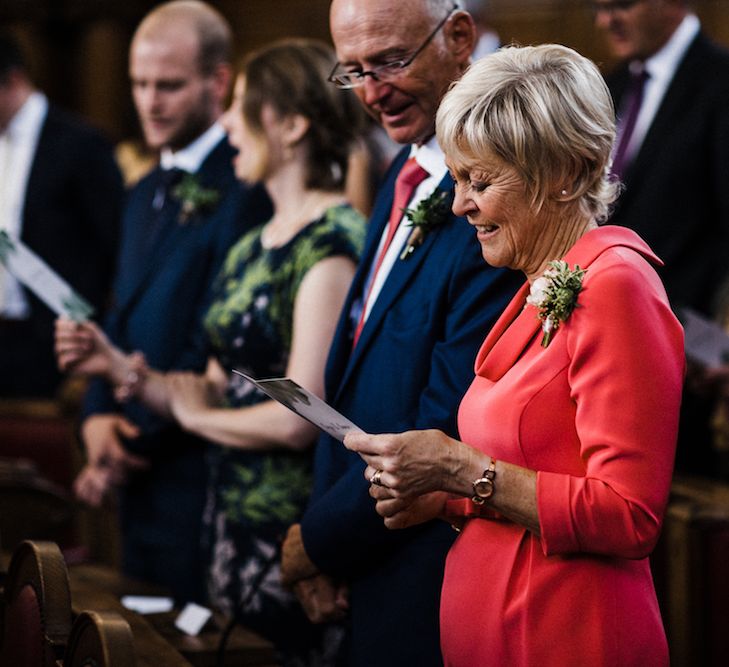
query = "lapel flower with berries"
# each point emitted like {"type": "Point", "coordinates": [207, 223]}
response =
{"type": "Point", "coordinates": [554, 295]}
{"type": "Point", "coordinates": [431, 212]}
{"type": "Point", "coordinates": [194, 198]}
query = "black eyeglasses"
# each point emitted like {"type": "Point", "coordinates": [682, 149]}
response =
{"type": "Point", "coordinates": [613, 6]}
{"type": "Point", "coordinates": [386, 72]}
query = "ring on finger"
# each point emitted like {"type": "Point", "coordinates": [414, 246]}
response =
{"type": "Point", "coordinates": [376, 478]}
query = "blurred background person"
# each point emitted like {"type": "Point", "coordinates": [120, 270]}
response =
{"type": "Point", "coordinates": [61, 194]}
{"type": "Point", "coordinates": [672, 155]}
{"type": "Point", "coordinates": [562, 476]}
{"type": "Point", "coordinates": [671, 94]}
{"type": "Point", "coordinates": [180, 71]}
{"type": "Point", "coordinates": [273, 311]}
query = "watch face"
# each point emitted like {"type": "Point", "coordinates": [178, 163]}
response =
{"type": "Point", "coordinates": [483, 488]}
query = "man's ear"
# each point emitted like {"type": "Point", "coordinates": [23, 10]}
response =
{"type": "Point", "coordinates": [222, 77]}
{"type": "Point", "coordinates": [460, 35]}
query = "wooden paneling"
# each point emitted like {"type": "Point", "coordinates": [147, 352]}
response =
{"type": "Point", "coordinates": [78, 48]}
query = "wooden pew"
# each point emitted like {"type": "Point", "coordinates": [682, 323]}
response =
{"type": "Point", "coordinates": [36, 607]}
{"type": "Point", "coordinates": [100, 639]}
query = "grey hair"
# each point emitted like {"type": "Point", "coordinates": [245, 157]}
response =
{"type": "Point", "coordinates": [546, 111]}
{"type": "Point", "coordinates": [438, 8]}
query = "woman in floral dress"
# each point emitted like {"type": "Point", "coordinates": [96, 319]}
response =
{"type": "Point", "coordinates": [273, 312]}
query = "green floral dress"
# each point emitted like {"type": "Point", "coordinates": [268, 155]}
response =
{"type": "Point", "coordinates": [254, 496]}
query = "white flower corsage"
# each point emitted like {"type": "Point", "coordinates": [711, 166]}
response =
{"type": "Point", "coordinates": [554, 295]}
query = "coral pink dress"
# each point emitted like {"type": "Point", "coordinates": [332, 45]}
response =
{"type": "Point", "coordinates": [596, 414]}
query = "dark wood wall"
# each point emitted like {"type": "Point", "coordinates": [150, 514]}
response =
{"type": "Point", "coordinates": [78, 48]}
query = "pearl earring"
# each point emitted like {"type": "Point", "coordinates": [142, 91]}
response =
{"type": "Point", "coordinates": [564, 193]}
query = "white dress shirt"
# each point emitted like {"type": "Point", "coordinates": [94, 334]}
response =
{"type": "Point", "coordinates": [430, 157]}
{"type": "Point", "coordinates": [18, 145]}
{"type": "Point", "coordinates": [661, 68]}
{"type": "Point", "coordinates": [191, 157]}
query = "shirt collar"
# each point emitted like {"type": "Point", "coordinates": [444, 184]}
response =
{"type": "Point", "coordinates": [663, 64]}
{"type": "Point", "coordinates": [29, 117]}
{"type": "Point", "coordinates": [430, 157]}
{"type": "Point", "coordinates": [193, 155]}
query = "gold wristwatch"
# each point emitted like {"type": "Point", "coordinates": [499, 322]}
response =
{"type": "Point", "coordinates": [483, 487]}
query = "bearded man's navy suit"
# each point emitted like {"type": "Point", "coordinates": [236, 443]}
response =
{"type": "Point", "coordinates": [165, 269]}
{"type": "Point", "coordinates": [411, 366]}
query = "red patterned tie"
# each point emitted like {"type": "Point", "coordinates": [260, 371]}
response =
{"type": "Point", "coordinates": [411, 175]}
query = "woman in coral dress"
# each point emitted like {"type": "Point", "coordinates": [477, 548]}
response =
{"type": "Point", "coordinates": [561, 477]}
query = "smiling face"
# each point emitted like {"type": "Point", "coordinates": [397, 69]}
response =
{"type": "Point", "coordinates": [494, 199]}
{"type": "Point", "coordinates": [371, 33]}
{"type": "Point", "coordinates": [175, 101]}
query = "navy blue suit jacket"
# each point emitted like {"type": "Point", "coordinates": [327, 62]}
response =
{"type": "Point", "coordinates": [410, 368]}
{"type": "Point", "coordinates": [164, 274]}
{"type": "Point", "coordinates": [676, 194]}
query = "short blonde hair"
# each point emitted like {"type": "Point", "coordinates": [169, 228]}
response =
{"type": "Point", "coordinates": [546, 111]}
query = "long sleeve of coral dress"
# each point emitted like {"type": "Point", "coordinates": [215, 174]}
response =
{"type": "Point", "coordinates": [596, 414]}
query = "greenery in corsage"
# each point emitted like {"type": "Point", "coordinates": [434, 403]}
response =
{"type": "Point", "coordinates": [554, 295]}
{"type": "Point", "coordinates": [430, 213]}
{"type": "Point", "coordinates": [194, 198]}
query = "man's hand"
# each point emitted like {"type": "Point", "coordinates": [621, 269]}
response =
{"type": "Point", "coordinates": [322, 600]}
{"type": "Point", "coordinates": [102, 436]}
{"type": "Point", "coordinates": [295, 562]}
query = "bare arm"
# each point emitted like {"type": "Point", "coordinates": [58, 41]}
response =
{"type": "Point", "coordinates": [316, 311]}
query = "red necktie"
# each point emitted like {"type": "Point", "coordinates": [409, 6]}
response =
{"type": "Point", "coordinates": [631, 106]}
{"type": "Point", "coordinates": [411, 175]}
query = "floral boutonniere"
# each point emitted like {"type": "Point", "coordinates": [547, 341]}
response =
{"type": "Point", "coordinates": [431, 212]}
{"type": "Point", "coordinates": [194, 198]}
{"type": "Point", "coordinates": [554, 294]}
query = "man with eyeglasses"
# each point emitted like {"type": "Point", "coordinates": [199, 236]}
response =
{"type": "Point", "coordinates": [674, 163]}
{"type": "Point", "coordinates": [403, 352]}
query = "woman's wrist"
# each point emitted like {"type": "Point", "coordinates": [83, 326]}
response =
{"type": "Point", "coordinates": [127, 374]}
{"type": "Point", "coordinates": [466, 465]}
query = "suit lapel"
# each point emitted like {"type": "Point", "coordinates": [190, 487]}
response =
{"type": "Point", "coordinates": [402, 273]}
{"type": "Point", "coordinates": [341, 348]}
{"type": "Point", "coordinates": [498, 352]}
{"type": "Point", "coordinates": [521, 323]}
{"type": "Point", "coordinates": [677, 100]}
{"type": "Point", "coordinates": [147, 263]}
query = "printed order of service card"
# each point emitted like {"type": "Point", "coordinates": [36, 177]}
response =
{"type": "Point", "coordinates": [43, 281]}
{"type": "Point", "coordinates": [305, 404]}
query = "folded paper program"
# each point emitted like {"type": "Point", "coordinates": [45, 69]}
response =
{"type": "Point", "coordinates": [42, 280]}
{"type": "Point", "coordinates": [305, 404]}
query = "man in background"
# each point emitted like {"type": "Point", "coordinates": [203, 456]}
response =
{"type": "Point", "coordinates": [61, 194]}
{"type": "Point", "coordinates": [173, 243]}
{"type": "Point", "coordinates": [671, 93]}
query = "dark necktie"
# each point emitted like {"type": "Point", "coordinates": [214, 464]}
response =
{"type": "Point", "coordinates": [161, 215]}
{"type": "Point", "coordinates": [168, 179]}
{"type": "Point", "coordinates": [630, 109]}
